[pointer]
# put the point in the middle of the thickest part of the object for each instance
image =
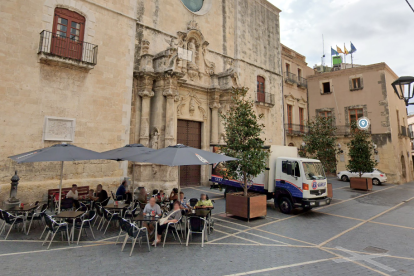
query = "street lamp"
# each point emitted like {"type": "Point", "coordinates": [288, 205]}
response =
{"type": "Point", "coordinates": [403, 82]}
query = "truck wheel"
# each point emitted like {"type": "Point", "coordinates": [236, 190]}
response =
{"type": "Point", "coordinates": [344, 178]}
{"type": "Point", "coordinates": [285, 205]}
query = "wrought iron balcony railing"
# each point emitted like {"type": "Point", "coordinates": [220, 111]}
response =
{"type": "Point", "coordinates": [291, 78]}
{"type": "Point", "coordinates": [264, 97]}
{"type": "Point", "coordinates": [54, 45]}
{"type": "Point", "coordinates": [302, 82]}
{"type": "Point", "coordinates": [295, 129]}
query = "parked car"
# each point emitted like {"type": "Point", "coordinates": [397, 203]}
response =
{"type": "Point", "coordinates": [377, 176]}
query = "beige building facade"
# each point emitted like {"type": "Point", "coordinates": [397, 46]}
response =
{"type": "Point", "coordinates": [295, 94]}
{"type": "Point", "coordinates": [366, 91]}
{"type": "Point", "coordinates": [102, 74]}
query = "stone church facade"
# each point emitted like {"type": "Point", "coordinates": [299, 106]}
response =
{"type": "Point", "coordinates": [162, 76]}
{"type": "Point", "coordinates": [186, 63]}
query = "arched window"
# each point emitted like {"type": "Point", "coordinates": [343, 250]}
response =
{"type": "Point", "coordinates": [261, 89]}
{"type": "Point", "coordinates": [193, 5]}
{"type": "Point", "coordinates": [68, 31]}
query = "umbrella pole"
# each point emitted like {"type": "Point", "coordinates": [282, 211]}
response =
{"type": "Point", "coordinates": [60, 186]}
{"type": "Point", "coordinates": [178, 182]}
{"type": "Point", "coordinates": [133, 184]}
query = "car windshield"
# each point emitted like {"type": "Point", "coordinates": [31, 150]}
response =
{"type": "Point", "coordinates": [314, 170]}
{"type": "Point", "coordinates": [379, 171]}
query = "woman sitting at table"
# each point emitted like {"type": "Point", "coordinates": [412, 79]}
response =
{"type": "Point", "coordinates": [173, 216]}
{"type": "Point", "coordinates": [174, 194]}
{"type": "Point", "coordinates": [161, 197]}
{"type": "Point", "coordinates": [101, 195]}
{"type": "Point", "coordinates": [204, 203]}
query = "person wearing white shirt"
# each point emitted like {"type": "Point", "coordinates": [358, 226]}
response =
{"type": "Point", "coordinates": [74, 195]}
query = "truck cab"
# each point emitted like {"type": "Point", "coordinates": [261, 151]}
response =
{"type": "Point", "coordinates": [299, 182]}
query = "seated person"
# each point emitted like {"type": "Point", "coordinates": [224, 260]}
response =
{"type": "Point", "coordinates": [183, 202]}
{"type": "Point", "coordinates": [161, 197]}
{"type": "Point", "coordinates": [174, 194]}
{"type": "Point", "coordinates": [204, 203]}
{"type": "Point", "coordinates": [73, 193]}
{"type": "Point", "coordinates": [173, 216]}
{"type": "Point", "coordinates": [153, 209]}
{"type": "Point", "coordinates": [91, 194]}
{"type": "Point", "coordinates": [101, 195]}
{"type": "Point", "coordinates": [121, 193]}
{"type": "Point", "coordinates": [142, 195]}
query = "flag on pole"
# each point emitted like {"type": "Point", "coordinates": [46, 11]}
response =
{"type": "Point", "coordinates": [333, 52]}
{"type": "Point", "coordinates": [345, 50]}
{"type": "Point", "coordinates": [339, 50]}
{"type": "Point", "coordinates": [353, 49]}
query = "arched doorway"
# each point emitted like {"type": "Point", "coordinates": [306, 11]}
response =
{"type": "Point", "coordinates": [291, 145]}
{"type": "Point", "coordinates": [403, 170]}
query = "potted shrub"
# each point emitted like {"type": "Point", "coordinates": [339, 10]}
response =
{"type": "Point", "coordinates": [243, 142]}
{"type": "Point", "coordinates": [360, 158]}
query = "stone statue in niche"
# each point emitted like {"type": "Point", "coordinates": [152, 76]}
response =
{"type": "Point", "coordinates": [155, 140]}
{"type": "Point", "coordinates": [192, 106]}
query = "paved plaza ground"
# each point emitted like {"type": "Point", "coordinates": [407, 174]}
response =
{"type": "Point", "coordinates": [360, 233]}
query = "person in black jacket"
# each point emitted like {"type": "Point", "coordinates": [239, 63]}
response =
{"type": "Point", "coordinates": [101, 195]}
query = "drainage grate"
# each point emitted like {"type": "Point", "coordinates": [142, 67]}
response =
{"type": "Point", "coordinates": [375, 250]}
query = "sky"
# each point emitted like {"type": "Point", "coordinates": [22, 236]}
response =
{"type": "Point", "coordinates": [381, 30]}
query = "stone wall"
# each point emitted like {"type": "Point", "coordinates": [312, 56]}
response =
{"type": "Point", "coordinates": [98, 99]}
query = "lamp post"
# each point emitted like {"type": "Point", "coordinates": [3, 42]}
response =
{"type": "Point", "coordinates": [399, 88]}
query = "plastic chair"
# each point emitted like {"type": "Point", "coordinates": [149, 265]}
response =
{"type": "Point", "coordinates": [131, 212]}
{"type": "Point", "coordinates": [11, 220]}
{"type": "Point", "coordinates": [3, 222]}
{"type": "Point", "coordinates": [36, 215]}
{"type": "Point", "coordinates": [135, 233]}
{"type": "Point", "coordinates": [124, 226]}
{"type": "Point", "coordinates": [173, 227]}
{"type": "Point", "coordinates": [86, 223]}
{"type": "Point", "coordinates": [99, 212]}
{"type": "Point", "coordinates": [193, 202]}
{"type": "Point", "coordinates": [108, 216]}
{"type": "Point", "coordinates": [197, 225]}
{"type": "Point", "coordinates": [53, 228]}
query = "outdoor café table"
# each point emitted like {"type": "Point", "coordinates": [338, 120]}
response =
{"type": "Point", "coordinates": [25, 209]}
{"type": "Point", "coordinates": [120, 207]}
{"type": "Point", "coordinates": [73, 215]}
{"type": "Point", "coordinates": [142, 218]}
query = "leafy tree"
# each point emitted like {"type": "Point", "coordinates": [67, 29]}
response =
{"type": "Point", "coordinates": [320, 142]}
{"type": "Point", "coordinates": [243, 140]}
{"type": "Point", "coordinates": [360, 152]}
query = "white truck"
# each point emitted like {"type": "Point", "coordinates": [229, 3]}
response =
{"type": "Point", "coordinates": [290, 180]}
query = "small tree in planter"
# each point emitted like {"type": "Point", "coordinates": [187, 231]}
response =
{"type": "Point", "coordinates": [320, 142]}
{"type": "Point", "coordinates": [243, 142]}
{"type": "Point", "coordinates": [360, 157]}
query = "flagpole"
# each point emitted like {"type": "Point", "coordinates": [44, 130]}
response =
{"type": "Point", "coordinates": [352, 57]}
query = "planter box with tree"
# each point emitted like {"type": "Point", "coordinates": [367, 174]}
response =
{"type": "Point", "coordinates": [243, 141]}
{"type": "Point", "coordinates": [360, 158]}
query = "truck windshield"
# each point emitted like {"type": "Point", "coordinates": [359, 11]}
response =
{"type": "Point", "coordinates": [313, 170]}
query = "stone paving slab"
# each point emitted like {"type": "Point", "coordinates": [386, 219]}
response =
{"type": "Point", "coordinates": [311, 227]}
{"type": "Point", "coordinates": [277, 245]}
{"type": "Point", "coordinates": [397, 241]}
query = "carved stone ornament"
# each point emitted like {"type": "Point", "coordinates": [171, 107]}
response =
{"type": "Point", "coordinates": [145, 47]}
{"type": "Point", "coordinates": [59, 129]}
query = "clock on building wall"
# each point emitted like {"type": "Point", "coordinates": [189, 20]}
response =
{"type": "Point", "coordinates": [193, 5]}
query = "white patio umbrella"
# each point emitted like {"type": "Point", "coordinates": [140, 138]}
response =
{"type": "Point", "coordinates": [59, 152]}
